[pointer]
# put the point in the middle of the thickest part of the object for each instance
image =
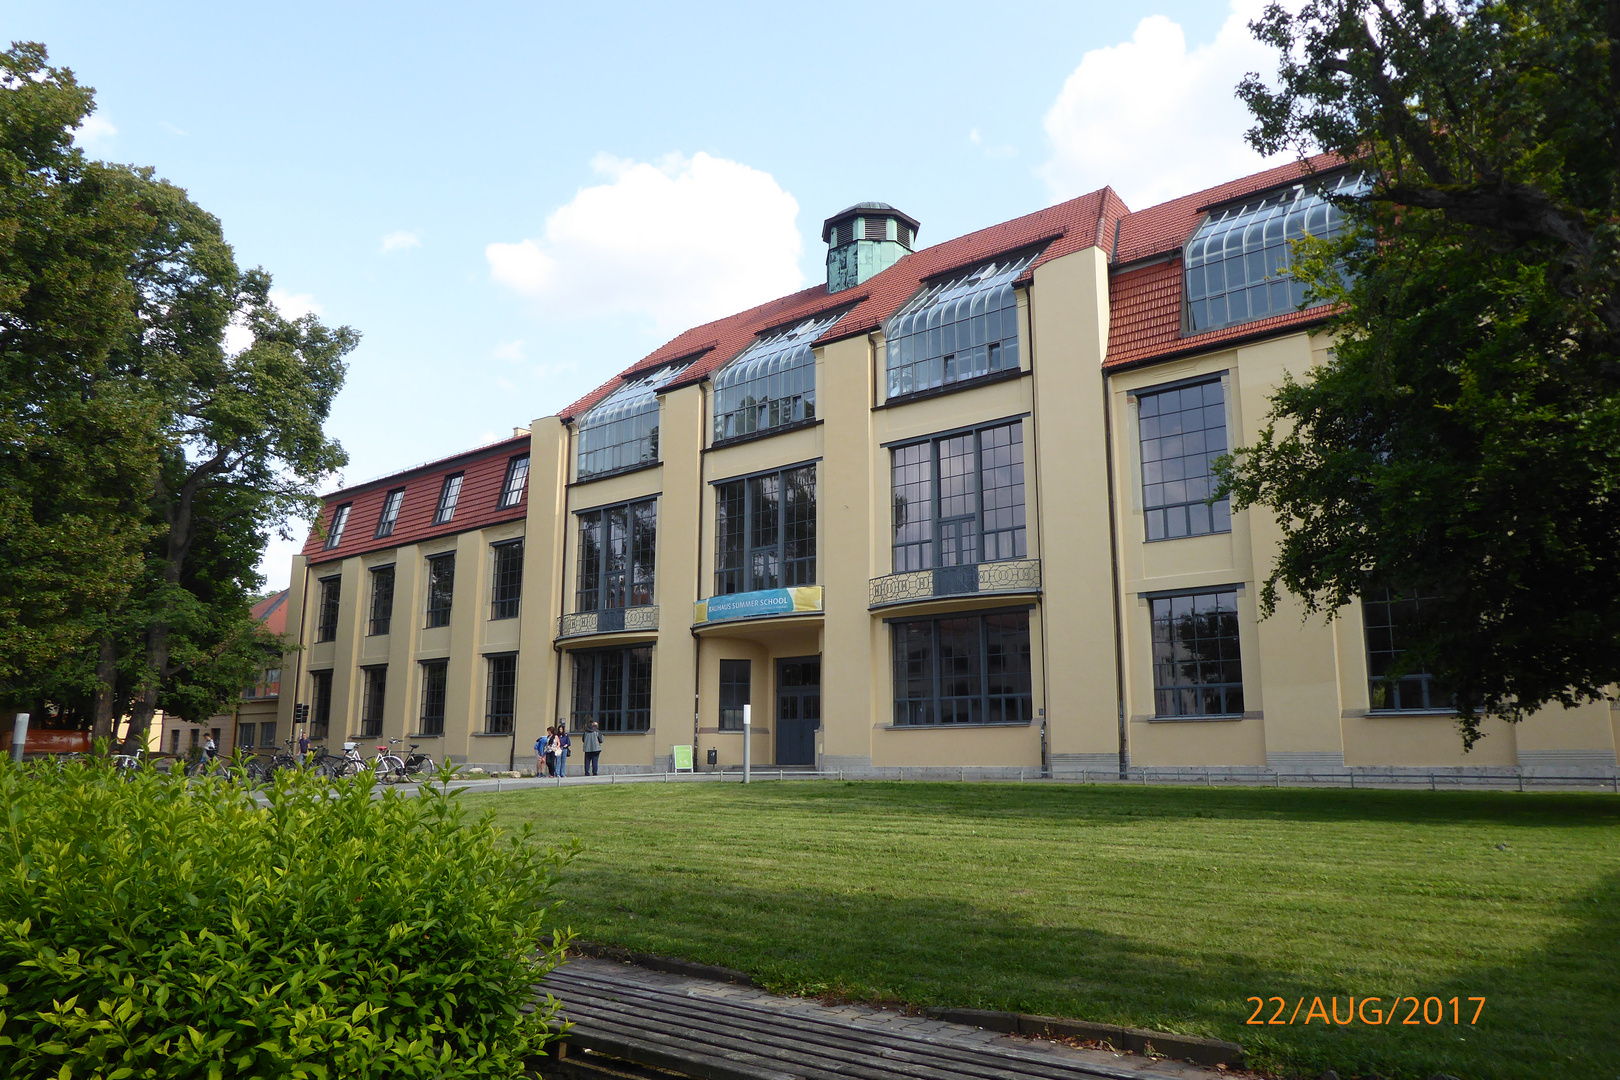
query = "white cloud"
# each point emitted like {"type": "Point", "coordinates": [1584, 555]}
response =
{"type": "Point", "coordinates": [95, 133]}
{"type": "Point", "coordinates": [295, 305]}
{"type": "Point", "coordinates": [510, 351]}
{"type": "Point", "coordinates": [1005, 150]}
{"type": "Point", "coordinates": [682, 240]}
{"type": "Point", "coordinates": [1155, 119]}
{"type": "Point", "coordinates": [173, 129]}
{"type": "Point", "coordinates": [400, 240]}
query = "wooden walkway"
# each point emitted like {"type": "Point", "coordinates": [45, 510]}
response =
{"type": "Point", "coordinates": [718, 1031]}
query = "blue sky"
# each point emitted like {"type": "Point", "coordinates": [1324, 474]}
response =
{"type": "Point", "coordinates": [514, 201]}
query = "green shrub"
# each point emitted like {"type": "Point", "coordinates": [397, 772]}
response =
{"type": "Point", "coordinates": [157, 927]}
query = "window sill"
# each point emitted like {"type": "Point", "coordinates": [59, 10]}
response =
{"type": "Point", "coordinates": [1218, 718]}
{"type": "Point", "coordinates": [378, 633]}
{"type": "Point", "coordinates": [492, 734]}
{"type": "Point", "coordinates": [421, 735]}
{"type": "Point", "coordinates": [951, 388]}
{"type": "Point", "coordinates": [626, 471]}
{"type": "Point", "coordinates": [1189, 536]}
{"type": "Point", "coordinates": [1375, 713]}
{"type": "Point", "coordinates": [958, 727]}
{"type": "Point", "coordinates": [754, 436]}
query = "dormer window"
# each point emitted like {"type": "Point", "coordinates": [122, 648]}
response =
{"type": "Point", "coordinates": [771, 383]}
{"type": "Point", "coordinates": [449, 495]}
{"type": "Point", "coordinates": [958, 328]}
{"type": "Point", "coordinates": [517, 475]}
{"type": "Point", "coordinates": [340, 520]}
{"type": "Point", "coordinates": [621, 432]}
{"type": "Point", "coordinates": [1238, 260]}
{"type": "Point", "coordinates": [390, 512]}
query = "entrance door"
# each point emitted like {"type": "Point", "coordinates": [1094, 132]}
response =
{"type": "Point", "coordinates": [798, 709]}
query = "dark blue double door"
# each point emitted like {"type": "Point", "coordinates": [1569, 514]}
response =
{"type": "Point", "coordinates": [798, 709]}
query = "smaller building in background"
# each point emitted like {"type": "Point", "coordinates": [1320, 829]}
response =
{"type": "Point", "coordinates": [251, 724]}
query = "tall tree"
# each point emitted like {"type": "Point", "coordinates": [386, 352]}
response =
{"type": "Point", "coordinates": [1465, 438]}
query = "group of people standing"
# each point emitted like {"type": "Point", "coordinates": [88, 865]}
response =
{"type": "Point", "coordinates": [551, 750]}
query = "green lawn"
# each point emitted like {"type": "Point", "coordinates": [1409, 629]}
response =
{"type": "Point", "coordinates": [1162, 908]}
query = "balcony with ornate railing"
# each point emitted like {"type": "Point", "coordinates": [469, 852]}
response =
{"type": "Point", "coordinates": [608, 621]}
{"type": "Point", "coordinates": [1009, 576]}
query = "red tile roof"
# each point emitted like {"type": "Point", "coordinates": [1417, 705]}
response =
{"type": "Point", "coordinates": [476, 507]}
{"type": "Point", "coordinates": [272, 611]}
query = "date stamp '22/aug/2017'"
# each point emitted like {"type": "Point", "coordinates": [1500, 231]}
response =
{"type": "Point", "coordinates": [1370, 1011]}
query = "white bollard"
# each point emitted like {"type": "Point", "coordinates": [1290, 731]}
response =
{"type": "Point", "coordinates": [19, 736]}
{"type": "Point", "coordinates": [748, 739]}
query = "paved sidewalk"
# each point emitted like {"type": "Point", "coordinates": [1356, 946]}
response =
{"type": "Point", "coordinates": [728, 1031]}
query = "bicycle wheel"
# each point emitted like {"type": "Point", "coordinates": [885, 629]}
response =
{"type": "Point", "coordinates": [390, 769]}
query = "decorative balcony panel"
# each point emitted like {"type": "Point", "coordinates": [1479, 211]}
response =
{"type": "Point", "coordinates": [608, 621]}
{"type": "Point", "coordinates": [1007, 576]}
{"type": "Point", "coordinates": [799, 600]}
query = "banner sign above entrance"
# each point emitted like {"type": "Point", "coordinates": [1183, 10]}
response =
{"type": "Point", "coordinates": [750, 605]}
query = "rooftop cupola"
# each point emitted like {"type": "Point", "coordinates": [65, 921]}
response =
{"type": "Point", "coordinates": [864, 241]}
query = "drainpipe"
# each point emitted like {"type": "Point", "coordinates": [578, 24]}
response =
{"type": "Point", "coordinates": [1113, 565]}
{"type": "Point", "coordinates": [298, 662]}
{"type": "Point", "coordinates": [1040, 518]}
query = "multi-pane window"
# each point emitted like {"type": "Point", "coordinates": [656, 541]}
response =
{"type": "Point", "coordinates": [1238, 260]}
{"type": "Point", "coordinates": [1183, 431]}
{"type": "Point", "coordinates": [506, 580]}
{"type": "Point", "coordinates": [1394, 618]}
{"type": "Point", "coordinates": [245, 734]}
{"type": "Point", "coordinates": [614, 688]}
{"type": "Point", "coordinates": [320, 711]}
{"type": "Point", "coordinates": [621, 432]}
{"type": "Point", "coordinates": [963, 669]}
{"type": "Point", "coordinates": [390, 512]}
{"type": "Point", "coordinates": [373, 691]}
{"type": "Point", "coordinates": [1197, 666]}
{"type": "Point", "coordinates": [267, 733]}
{"type": "Point", "coordinates": [500, 701]}
{"type": "Point", "coordinates": [957, 329]}
{"type": "Point", "coordinates": [340, 521]}
{"type": "Point", "coordinates": [441, 587]}
{"type": "Point", "coordinates": [959, 500]}
{"type": "Point", "coordinates": [773, 382]}
{"type": "Point", "coordinates": [449, 494]}
{"type": "Point", "coordinates": [435, 678]}
{"type": "Point", "coordinates": [327, 622]}
{"type": "Point", "coordinates": [765, 531]}
{"type": "Point", "coordinates": [735, 676]}
{"type": "Point", "coordinates": [517, 474]}
{"type": "Point", "coordinates": [617, 549]}
{"type": "Point", "coordinates": [382, 599]}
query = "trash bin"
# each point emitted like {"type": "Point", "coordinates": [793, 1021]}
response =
{"type": "Point", "coordinates": [714, 756]}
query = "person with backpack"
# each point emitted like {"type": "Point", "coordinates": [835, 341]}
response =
{"type": "Point", "coordinates": [564, 744]}
{"type": "Point", "coordinates": [592, 743]}
{"type": "Point", "coordinates": [542, 753]}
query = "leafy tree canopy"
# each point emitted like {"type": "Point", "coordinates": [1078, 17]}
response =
{"type": "Point", "coordinates": [1464, 441]}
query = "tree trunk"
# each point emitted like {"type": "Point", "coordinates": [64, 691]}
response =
{"type": "Point", "coordinates": [101, 726]}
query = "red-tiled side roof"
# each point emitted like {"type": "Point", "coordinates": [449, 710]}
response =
{"type": "Point", "coordinates": [1165, 227]}
{"type": "Point", "coordinates": [1068, 227]}
{"type": "Point", "coordinates": [272, 611]}
{"type": "Point", "coordinates": [477, 506]}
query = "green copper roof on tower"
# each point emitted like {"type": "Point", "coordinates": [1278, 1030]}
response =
{"type": "Point", "coordinates": [864, 240]}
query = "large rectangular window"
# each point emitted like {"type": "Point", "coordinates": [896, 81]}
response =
{"type": "Point", "coordinates": [1393, 618]}
{"type": "Point", "coordinates": [340, 521]}
{"type": "Point", "coordinates": [959, 500]}
{"type": "Point", "coordinates": [371, 701]}
{"type": "Point", "coordinates": [614, 688]}
{"type": "Point", "coordinates": [441, 587]}
{"type": "Point", "coordinates": [1197, 665]}
{"type": "Point", "coordinates": [449, 495]}
{"type": "Point", "coordinates": [617, 549]}
{"type": "Point", "coordinates": [500, 700]}
{"type": "Point", "coordinates": [390, 512]}
{"type": "Point", "coordinates": [320, 709]}
{"type": "Point", "coordinates": [765, 531]}
{"type": "Point", "coordinates": [963, 669]}
{"type": "Point", "coordinates": [435, 680]}
{"type": "Point", "coordinates": [506, 580]}
{"type": "Point", "coordinates": [331, 595]}
{"type": "Point", "coordinates": [382, 599]}
{"type": "Point", "coordinates": [245, 734]}
{"type": "Point", "coordinates": [957, 328]}
{"type": "Point", "coordinates": [735, 676]}
{"type": "Point", "coordinates": [1183, 430]}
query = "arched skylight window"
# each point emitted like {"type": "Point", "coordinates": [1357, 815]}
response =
{"type": "Point", "coordinates": [1237, 260]}
{"type": "Point", "coordinates": [621, 431]}
{"type": "Point", "coordinates": [772, 382]}
{"type": "Point", "coordinates": [957, 329]}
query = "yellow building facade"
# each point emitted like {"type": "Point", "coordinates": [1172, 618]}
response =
{"type": "Point", "coordinates": [947, 511]}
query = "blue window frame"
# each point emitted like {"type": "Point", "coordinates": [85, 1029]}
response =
{"type": "Point", "coordinates": [771, 383]}
{"type": "Point", "coordinates": [1238, 260]}
{"type": "Point", "coordinates": [956, 329]}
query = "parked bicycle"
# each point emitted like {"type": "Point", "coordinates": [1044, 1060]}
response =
{"type": "Point", "coordinates": [388, 766]}
{"type": "Point", "coordinates": [417, 764]}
